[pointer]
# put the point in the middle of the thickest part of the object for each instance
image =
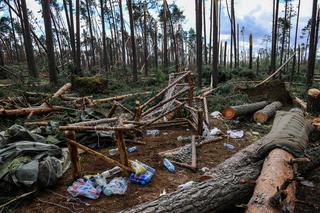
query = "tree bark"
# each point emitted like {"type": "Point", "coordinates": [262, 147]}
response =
{"type": "Point", "coordinates": [91, 34]}
{"type": "Point", "coordinates": [313, 101]}
{"type": "Point", "coordinates": [250, 51]}
{"type": "Point", "coordinates": [199, 40]}
{"type": "Point", "coordinates": [133, 43]}
{"type": "Point", "coordinates": [122, 36]}
{"type": "Point", "coordinates": [78, 49]}
{"type": "Point", "coordinates": [165, 38]}
{"type": "Point", "coordinates": [215, 49]}
{"type": "Point", "coordinates": [145, 48]}
{"type": "Point", "coordinates": [295, 43]}
{"type": "Point", "coordinates": [28, 42]}
{"type": "Point", "coordinates": [236, 111]}
{"type": "Point", "coordinates": [312, 47]}
{"type": "Point", "coordinates": [274, 37]}
{"type": "Point", "coordinates": [49, 41]}
{"type": "Point", "coordinates": [230, 181]}
{"type": "Point", "coordinates": [267, 112]}
{"type": "Point", "coordinates": [275, 174]}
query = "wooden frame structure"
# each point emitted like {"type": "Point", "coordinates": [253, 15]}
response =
{"type": "Point", "coordinates": [102, 124]}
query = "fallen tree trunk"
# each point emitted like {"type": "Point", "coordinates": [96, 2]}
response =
{"type": "Point", "coordinates": [267, 112]}
{"type": "Point", "coordinates": [230, 181]}
{"type": "Point", "coordinates": [57, 94]}
{"type": "Point", "coordinates": [313, 101]}
{"type": "Point", "coordinates": [275, 188]}
{"type": "Point", "coordinates": [236, 111]}
{"type": "Point", "coordinates": [30, 110]}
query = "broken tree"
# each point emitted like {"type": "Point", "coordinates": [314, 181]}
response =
{"type": "Point", "coordinates": [236, 111]}
{"type": "Point", "coordinates": [229, 183]}
{"type": "Point", "coordinates": [313, 101]}
{"type": "Point", "coordinates": [267, 112]}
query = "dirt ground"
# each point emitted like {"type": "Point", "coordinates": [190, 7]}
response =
{"type": "Point", "coordinates": [208, 155]}
{"type": "Point", "coordinates": [55, 199]}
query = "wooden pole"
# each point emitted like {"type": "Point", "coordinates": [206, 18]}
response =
{"type": "Point", "coordinates": [74, 155]}
{"type": "Point", "coordinates": [112, 110]}
{"type": "Point", "coordinates": [121, 148]}
{"type": "Point", "coordinates": [200, 122]}
{"type": "Point", "coordinates": [99, 155]}
{"type": "Point", "coordinates": [193, 152]}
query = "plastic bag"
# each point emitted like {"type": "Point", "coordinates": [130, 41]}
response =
{"type": "Point", "coordinates": [117, 186]}
{"type": "Point", "coordinates": [137, 167]}
{"type": "Point", "coordinates": [84, 188]}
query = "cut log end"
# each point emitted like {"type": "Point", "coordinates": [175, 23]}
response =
{"type": "Point", "coordinates": [260, 117]}
{"type": "Point", "coordinates": [229, 113]}
{"type": "Point", "coordinates": [314, 92]}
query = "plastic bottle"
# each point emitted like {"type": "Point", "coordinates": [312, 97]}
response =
{"type": "Point", "coordinates": [148, 168]}
{"type": "Point", "coordinates": [132, 149]}
{"type": "Point", "coordinates": [141, 179]}
{"type": "Point", "coordinates": [113, 152]}
{"type": "Point", "coordinates": [168, 165]}
{"type": "Point", "coordinates": [111, 172]}
{"type": "Point", "coordinates": [228, 146]}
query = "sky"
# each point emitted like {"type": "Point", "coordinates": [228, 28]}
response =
{"type": "Point", "coordinates": [254, 15]}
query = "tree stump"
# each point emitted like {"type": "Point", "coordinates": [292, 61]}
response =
{"type": "Point", "coordinates": [313, 101]}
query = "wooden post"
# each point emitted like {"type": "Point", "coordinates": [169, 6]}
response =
{"type": "Point", "coordinates": [200, 122]}
{"type": "Point", "coordinates": [71, 135]}
{"type": "Point", "coordinates": [112, 110]}
{"type": "Point", "coordinates": [190, 93]}
{"type": "Point", "coordinates": [138, 111]}
{"type": "Point", "coordinates": [122, 148]}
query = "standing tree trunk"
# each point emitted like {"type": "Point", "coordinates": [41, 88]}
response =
{"type": "Point", "coordinates": [122, 36]}
{"type": "Point", "coordinates": [28, 42]}
{"type": "Point", "coordinates": [234, 33]}
{"type": "Point", "coordinates": [133, 43]}
{"type": "Point", "coordinates": [225, 54]}
{"type": "Point", "coordinates": [283, 34]}
{"type": "Point", "coordinates": [258, 66]}
{"type": "Point", "coordinates": [49, 41]}
{"type": "Point", "coordinates": [104, 45]}
{"type": "Point", "coordinates": [91, 34]}
{"type": "Point", "coordinates": [295, 43]}
{"type": "Point", "coordinates": [78, 58]}
{"type": "Point", "coordinates": [14, 36]}
{"type": "Point", "coordinates": [145, 38]}
{"type": "Point", "coordinates": [312, 47]}
{"type": "Point", "coordinates": [215, 48]}
{"type": "Point", "coordinates": [210, 36]}
{"type": "Point", "coordinates": [274, 37]}
{"type": "Point", "coordinates": [299, 59]}
{"type": "Point", "coordinates": [156, 44]}
{"type": "Point", "coordinates": [250, 51]}
{"type": "Point", "coordinates": [165, 38]}
{"type": "Point", "coordinates": [71, 32]}
{"type": "Point", "coordinates": [205, 33]}
{"type": "Point", "coordinates": [199, 40]}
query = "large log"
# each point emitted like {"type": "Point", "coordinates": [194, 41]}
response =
{"type": "Point", "coordinates": [230, 182]}
{"type": "Point", "coordinates": [274, 182]}
{"type": "Point", "coordinates": [236, 111]}
{"type": "Point", "coordinates": [267, 112]}
{"type": "Point", "coordinates": [313, 101]}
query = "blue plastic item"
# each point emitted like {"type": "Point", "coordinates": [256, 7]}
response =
{"type": "Point", "coordinates": [132, 149]}
{"type": "Point", "coordinates": [141, 179]}
{"type": "Point", "coordinates": [169, 165]}
{"type": "Point", "coordinates": [228, 146]}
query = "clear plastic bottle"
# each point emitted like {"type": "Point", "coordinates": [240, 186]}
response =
{"type": "Point", "coordinates": [111, 172]}
{"type": "Point", "coordinates": [168, 165]}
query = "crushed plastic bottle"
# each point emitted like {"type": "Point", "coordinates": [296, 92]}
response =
{"type": "Point", "coordinates": [169, 165]}
{"type": "Point", "coordinates": [132, 149]}
{"type": "Point", "coordinates": [137, 167]}
{"type": "Point", "coordinates": [153, 132]}
{"type": "Point", "coordinates": [228, 146]}
{"type": "Point", "coordinates": [117, 186]}
{"type": "Point", "coordinates": [141, 179]}
{"type": "Point", "coordinates": [111, 172]}
{"type": "Point", "coordinates": [113, 152]}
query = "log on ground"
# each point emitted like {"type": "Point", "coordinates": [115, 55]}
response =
{"type": "Point", "coordinates": [267, 112]}
{"type": "Point", "coordinates": [230, 182]}
{"type": "Point", "coordinates": [274, 183]}
{"type": "Point", "coordinates": [236, 111]}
